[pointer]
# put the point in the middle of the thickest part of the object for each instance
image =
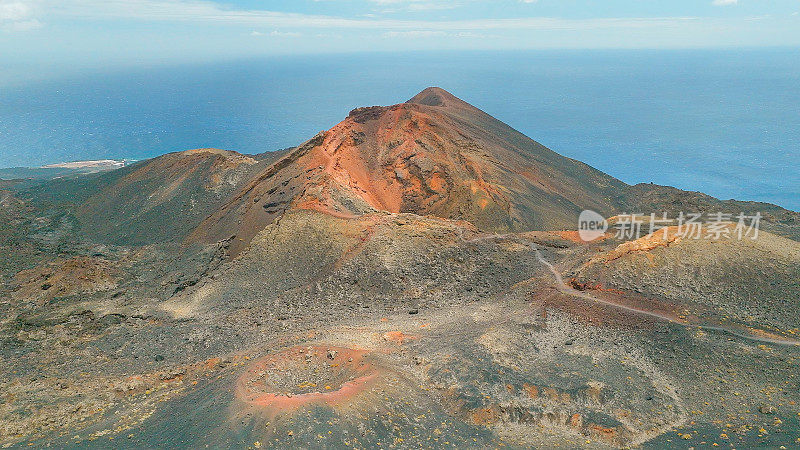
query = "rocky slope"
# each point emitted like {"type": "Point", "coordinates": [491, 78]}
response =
{"type": "Point", "coordinates": [754, 282]}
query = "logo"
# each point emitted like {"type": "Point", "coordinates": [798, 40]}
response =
{"type": "Point", "coordinates": [591, 226]}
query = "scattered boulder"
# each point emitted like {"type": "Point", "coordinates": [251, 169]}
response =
{"type": "Point", "coordinates": [766, 409]}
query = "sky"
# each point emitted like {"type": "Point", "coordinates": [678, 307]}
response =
{"type": "Point", "coordinates": [39, 38]}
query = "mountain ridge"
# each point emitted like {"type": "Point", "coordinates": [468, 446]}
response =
{"type": "Point", "coordinates": [433, 155]}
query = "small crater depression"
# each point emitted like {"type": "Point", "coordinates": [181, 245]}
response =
{"type": "Point", "coordinates": [304, 375]}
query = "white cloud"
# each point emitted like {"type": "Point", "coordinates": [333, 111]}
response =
{"type": "Point", "coordinates": [414, 34]}
{"type": "Point", "coordinates": [23, 25]}
{"type": "Point", "coordinates": [18, 15]}
{"type": "Point", "coordinates": [211, 12]}
{"type": "Point", "coordinates": [430, 6]}
{"type": "Point", "coordinates": [470, 34]}
{"type": "Point", "coordinates": [724, 2]}
{"type": "Point", "coordinates": [14, 10]}
{"type": "Point", "coordinates": [276, 33]}
{"type": "Point", "coordinates": [405, 6]}
{"type": "Point", "coordinates": [184, 10]}
{"type": "Point", "coordinates": [419, 5]}
{"type": "Point", "coordinates": [423, 34]}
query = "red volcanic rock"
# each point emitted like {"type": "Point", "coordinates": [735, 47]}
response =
{"type": "Point", "coordinates": [398, 337]}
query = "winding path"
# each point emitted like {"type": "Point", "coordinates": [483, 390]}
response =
{"type": "Point", "coordinates": [565, 289]}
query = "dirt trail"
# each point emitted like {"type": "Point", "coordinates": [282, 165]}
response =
{"type": "Point", "coordinates": [565, 289]}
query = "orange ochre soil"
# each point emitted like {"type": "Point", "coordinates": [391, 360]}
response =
{"type": "Point", "coordinates": [347, 362]}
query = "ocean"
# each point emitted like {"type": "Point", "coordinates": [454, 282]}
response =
{"type": "Point", "coordinates": [724, 122]}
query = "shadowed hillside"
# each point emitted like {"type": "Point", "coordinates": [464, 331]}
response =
{"type": "Point", "coordinates": [156, 200]}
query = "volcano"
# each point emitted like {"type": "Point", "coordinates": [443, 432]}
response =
{"type": "Point", "coordinates": [433, 155]}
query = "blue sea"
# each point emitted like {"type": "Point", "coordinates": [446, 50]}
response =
{"type": "Point", "coordinates": [725, 122]}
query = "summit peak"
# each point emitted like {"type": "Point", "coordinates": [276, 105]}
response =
{"type": "Point", "coordinates": [434, 96]}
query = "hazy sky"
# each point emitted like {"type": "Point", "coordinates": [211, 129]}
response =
{"type": "Point", "coordinates": [42, 37]}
